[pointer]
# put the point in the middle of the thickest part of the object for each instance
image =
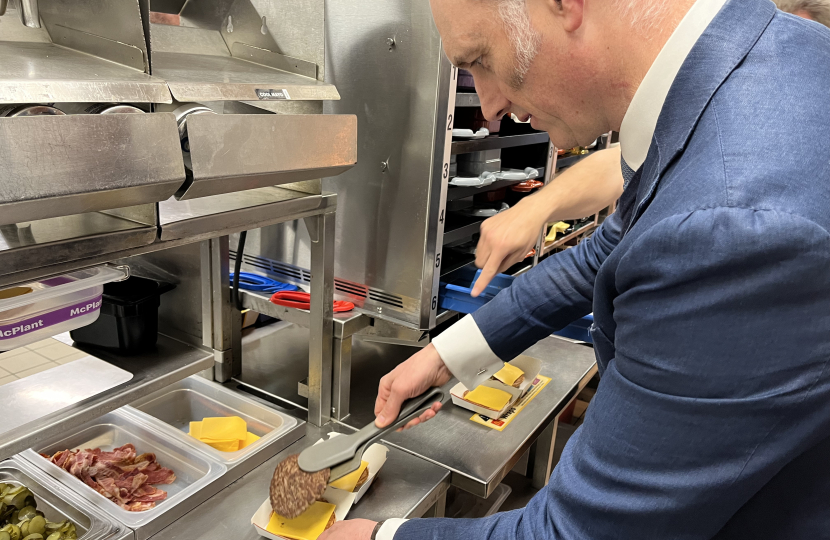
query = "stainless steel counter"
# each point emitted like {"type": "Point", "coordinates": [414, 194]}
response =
{"type": "Point", "coordinates": [477, 456]}
{"type": "Point", "coordinates": [407, 486]}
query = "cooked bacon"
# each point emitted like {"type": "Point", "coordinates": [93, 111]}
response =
{"type": "Point", "coordinates": [121, 476]}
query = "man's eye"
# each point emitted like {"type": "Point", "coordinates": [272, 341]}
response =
{"type": "Point", "coordinates": [479, 61]}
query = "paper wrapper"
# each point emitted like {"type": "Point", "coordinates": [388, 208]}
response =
{"type": "Point", "coordinates": [531, 368]}
{"type": "Point", "coordinates": [343, 501]}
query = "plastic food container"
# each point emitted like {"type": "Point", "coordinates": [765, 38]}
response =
{"type": "Point", "coordinates": [194, 470]}
{"type": "Point", "coordinates": [455, 293]}
{"type": "Point", "coordinates": [59, 503]}
{"type": "Point", "coordinates": [44, 308]}
{"type": "Point", "coordinates": [194, 398]}
{"type": "Point", "coordinates": [129, 317]}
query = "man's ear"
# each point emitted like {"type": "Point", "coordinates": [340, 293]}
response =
{"type": "Point", "coordinates": [570, 12]}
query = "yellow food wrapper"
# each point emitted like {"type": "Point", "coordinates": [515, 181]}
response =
{"type": "Point", "coordinates": [559, 227]}
{"type": "Point", "coordinates": [224, 428]}
{"type": "Point", "coordinates": [349, 482]}
{"type": "Point", "coordinates": [508, 374]}
{"type": "Point", "coordinates": [250, 439]}
{"type": "Point", "coordinates": [308, 526]}
{"type": "Point", "coordinates": [490, 398]}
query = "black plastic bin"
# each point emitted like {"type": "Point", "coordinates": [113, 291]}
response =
{"type": "Point", "coordinates": [129, 317]}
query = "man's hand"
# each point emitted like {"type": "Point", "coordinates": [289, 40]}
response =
{"type": "Point", "coordinates": [412, 378]}
{"type": "Point", "coordinates": [352, 529]}
{"type": "Point", "coordinates": [506, 239]}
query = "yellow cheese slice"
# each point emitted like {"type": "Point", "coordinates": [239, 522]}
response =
{"type": "Point", "coordinates": [348, 482]}
{"type": "Point", "coordinates": [224, 428]}
{"type": "Point", "coordinates": [490, 398]}
{"type": "Point", "coordinates": [195, 429]}
{"type": "Point", "coordinates": [223, 445]}
{"type": "Point", "coordinates": [251, 439]}
{"type": "Point", "coordinates": [508, 374]}
{"type": "Point", "coordinates": [308, 526]}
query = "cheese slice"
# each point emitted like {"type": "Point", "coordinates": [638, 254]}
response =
{"type": "Point", "coordinates": [251, 439]}
{"type": "Point", "coordinates": [509, 374]}
{"type": "Point", "coordinates": [223, 445]}
{"type": "Point", "coordinates": [489, 398]}
{"type": "Point", "coordinates": [195, 430]}
{"type": "Point", "coordinates": [224, 428]}
{"type": "Point", "coordinates": [308, 526]}
{"type": "Point", "coordinates": [349, 482]}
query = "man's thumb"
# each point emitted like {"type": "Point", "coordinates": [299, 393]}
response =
{"type": "Point", "coordinates": [391, 410]}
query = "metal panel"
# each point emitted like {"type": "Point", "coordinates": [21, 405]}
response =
{"type": "Point", "coordinates": [61, 165]}
{"type": "Point", "coordinates": [200, 78]}
{"type": "Point", "coordinates": [385, 200]}
{"type": "Point", "coordinates": [46, 73]}
{"type": "Point", "coordinates": [240, 152]}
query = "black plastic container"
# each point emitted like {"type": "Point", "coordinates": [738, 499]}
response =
{"type": "Point", "coordinates": [129, 317]}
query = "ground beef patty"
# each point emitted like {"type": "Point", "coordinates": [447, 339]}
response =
{"type": "Point", "coordinates": [294, 490]}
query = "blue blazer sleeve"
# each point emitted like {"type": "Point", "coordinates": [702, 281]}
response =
{"type": "Point", "coordinates": [551, 296]}
{"type": "Point", "coordinates": [720, 380]}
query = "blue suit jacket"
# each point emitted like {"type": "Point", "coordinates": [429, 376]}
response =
{"type": "Point", "coordinates": [711, 296]}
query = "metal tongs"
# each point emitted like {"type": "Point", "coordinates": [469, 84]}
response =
{"type": "Point", "coordinates": [343, 454]}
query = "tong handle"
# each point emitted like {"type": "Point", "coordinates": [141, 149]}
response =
{"type": "Point", "coordinates": [341, 449]}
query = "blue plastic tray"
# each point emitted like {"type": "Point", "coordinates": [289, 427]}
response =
{"type": "Point", "coordinates": [455, 293]}
{"type": "Point", "coordinates": [580, 329]}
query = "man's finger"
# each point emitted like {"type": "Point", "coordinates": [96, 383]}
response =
{"type": "Point", "coordinates": [487, 274]}
{"type": "Point", "coordinates": [384, 388]}
{"type": "Point", "coordinates": [391, 409]}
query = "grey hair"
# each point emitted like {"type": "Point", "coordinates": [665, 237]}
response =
{"type": "Point", "coordinates": [819, 10]}
{"type": "Point", "coordinates": [524, 38]}
{"type": "Point", "coordinates": [643, 15]}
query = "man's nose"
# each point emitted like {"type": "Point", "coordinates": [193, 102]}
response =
{"type": "Point", "coordinates": [493, 103]}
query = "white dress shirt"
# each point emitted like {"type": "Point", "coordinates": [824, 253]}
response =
{"type": "Point", "coordinates": [463, 347]}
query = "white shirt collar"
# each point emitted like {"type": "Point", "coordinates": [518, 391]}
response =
{"type": "Point", "coordinates": [640, 120]}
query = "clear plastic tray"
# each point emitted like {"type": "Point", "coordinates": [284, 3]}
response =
{"type": "Point", "coordinates": [194, 398]}
{"type": "Point", "coordinates": [59, 503]}
{"type": "Point", "coordinates": [193, 470]}
{"type": "Point", "coordinates": [40, 309]}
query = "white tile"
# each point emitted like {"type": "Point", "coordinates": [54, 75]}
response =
{"type": "Point", "coordinates": [5, 380]}
{"type": "Point", "coordinates": [14, 352]}
{"type": "Point", "coordinates": [4, 373]}
{"type": "Point", "coordinates": [72, 357]}
{"type": "Point", "coordinates": [38, 369]}
{"type": "Point", "coordinates": [22, 362]}
{"type": "Point", "coordinates": [56, 350]}
{"type": "Point", "coordinates": [39, 344]}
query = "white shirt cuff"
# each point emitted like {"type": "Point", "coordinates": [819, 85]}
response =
{"type": "Point", "coordinates": [466, 353]}
{"type": "Point", "coordinates": [389, 528]}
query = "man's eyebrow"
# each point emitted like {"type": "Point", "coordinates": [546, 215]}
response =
{"type": "Point", "coordinates": [465, 58]}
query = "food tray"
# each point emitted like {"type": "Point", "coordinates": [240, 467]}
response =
{"type": "Point", "coordinates": [194, 398]}
{"type": "Point", "coordinates": [194, 471]}
{"type": "Point", "coordinates": [529, 365]}
{"type": "Point", "coordinates": [40, 309]}
{"type": "Point", "coordinates": [455, 293]}
{"type": "Point", "coordinates": [59, 503]}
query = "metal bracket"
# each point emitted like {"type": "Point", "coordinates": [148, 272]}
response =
{"type": "Point", "coordinates": [114, 51]}
{"type": "Point", "coordinates": [274, 60]}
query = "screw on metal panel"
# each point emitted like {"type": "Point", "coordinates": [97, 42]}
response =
{"type": "Point", "coordinates": [391, 42]}
{"type": "Point", "coordinates": [334, 411]}
{"type": "Point", "coordinates": [264, 28]}
{"type": "Point", "coordinates": [380, 310]}
{"type": "Point", "coordinates": [230, 24]}
{"type": "Point", "coordinates": [384, 166]}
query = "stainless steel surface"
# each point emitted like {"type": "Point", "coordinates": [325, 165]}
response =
{"type": "Point", "coordinates": [42, 243]}
{"type": "Point", "coordinates": [3, 7]}
{"type": "Point", "coordinates": [493, 142]}
{"type": "Point", "coordinates": [170, 362]}
{"type": "Point", "coordinates": [209, 217]}
{"type": "Point", "coordinates": [197, 476]}
{"type": "Point", "coordinates": [225, 324]}
{"type": "Point", "coordinates": [341, 377]}
{"type": "Point", "coordinates": [467, 99]}
{"type": "Point", "coordinates": [47, 73]}
{"type": "Point", "coordinates": [200, 78]}
{"type": "Point", "coordinates": [194, 398]}
{"type": "Point", "coordinates": [274, 60]}
{"type": "Point", "coordinates": [35, 397]}
{"type": "Point", "coordinates": [543, 460]}
{"type": "Point", "coordinates": [345, 324]}
{"type": "Point", "coordinates": [63, 165]}
{"type": "Point", "coordinates": [406, 487]}
{"type": "Point", "coordinates": [321, 231]}
{"type": "Point", "coordinates": [57, 503]}
{"type": "Point", "coordinates": [241, 152]}
{"type": "Point", "coordinates": [452, 440]}
{"type": "Point", "coordinates": [29, 13]}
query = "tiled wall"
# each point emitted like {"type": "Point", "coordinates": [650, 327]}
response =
{"type": "Point", "coordinates": [35, 358]}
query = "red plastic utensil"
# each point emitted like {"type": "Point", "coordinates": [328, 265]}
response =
{"type": "Point", "coordinates": [302, 300]}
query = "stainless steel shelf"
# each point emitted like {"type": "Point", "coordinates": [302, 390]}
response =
{"type": "Point", "coordinates": [460, 227]}
{"type": "Point", "coordinates": [47, 73]}
{"type": "Point", "coordinates": [199, 78]}
{"type": "Point", "coordinates": [454, 442]}
{"type": "Point", "coordinates": [495, 142]}
{"type": "Point", "coordinates": [406, 487]}
{"type": "Point", "coordinates": [567, 238]}
{"type": "Point", "coordinates": [467, 99]}
{"type": "Point", "coordinates": [456, 192]}
{"type": "Point", "coordinates": [171, 361]}
{"type": "Point", "coordinates": [345, 324]}
{"type": "Point", "coordinates": [70, 238]}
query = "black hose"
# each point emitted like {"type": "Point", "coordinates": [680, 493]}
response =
{"type": "Point", "coordinates": [237, 267]}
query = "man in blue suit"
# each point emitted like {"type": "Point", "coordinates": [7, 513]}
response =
{"type": "Point", "coordinates": [710, 286]}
